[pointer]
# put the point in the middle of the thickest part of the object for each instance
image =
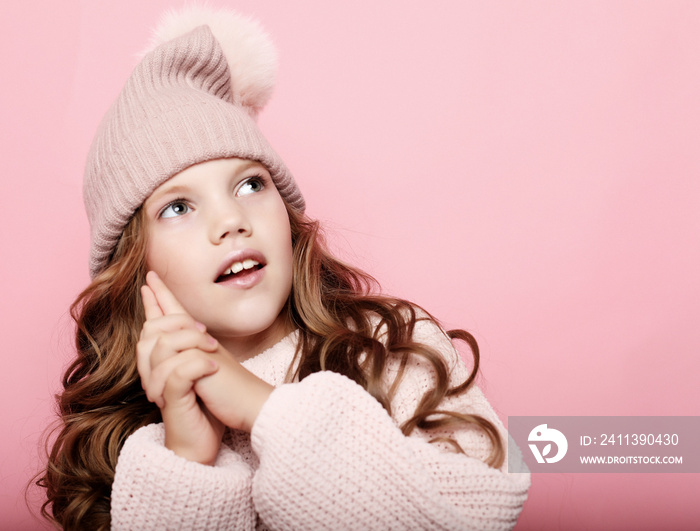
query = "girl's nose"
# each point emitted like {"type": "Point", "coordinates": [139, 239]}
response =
{"type": "Point", "coordinates": [228, 220]}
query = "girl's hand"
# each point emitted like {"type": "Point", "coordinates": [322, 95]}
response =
{"type": "Point", "coordinates": [233, 394]}
{"type": "Point", "coordinates": [172, 355]}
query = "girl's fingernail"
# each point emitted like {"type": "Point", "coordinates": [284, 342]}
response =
{"type": "Point", "coordinates": [212, 340]}
{"type": "Point", "coordinates": [213, 364]}
{"type": "Point", "coordinates": [200, 326]}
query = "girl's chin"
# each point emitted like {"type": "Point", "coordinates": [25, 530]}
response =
{"type": "Point", "coordinates": [250, 333]}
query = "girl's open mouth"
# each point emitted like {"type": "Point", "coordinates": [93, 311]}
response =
{"type": "Point", "coordinates": [240, 270]}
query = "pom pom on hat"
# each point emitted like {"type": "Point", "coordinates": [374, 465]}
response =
{"type": "Point", "coordinates": [249, 51]}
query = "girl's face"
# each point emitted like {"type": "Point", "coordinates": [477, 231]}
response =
{"type": "Point", "coordinates": [219, 237]}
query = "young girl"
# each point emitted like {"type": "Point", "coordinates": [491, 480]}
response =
{"type": "Point", "coordinates": [231, 373]}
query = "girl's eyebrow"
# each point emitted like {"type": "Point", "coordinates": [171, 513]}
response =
{"type": "Point", "coordinates": [248, 164]}
{"type": "Point", "coordinates": [179, 189]}
{"type": "Point", "coordinates": [176, 189]}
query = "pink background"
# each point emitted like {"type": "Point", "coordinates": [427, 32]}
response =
{"type": "Point", "coordinates": [526, 170]}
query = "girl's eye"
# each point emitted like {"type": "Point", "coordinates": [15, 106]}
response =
{"type": "Point", "coordinates": [174, 209]}
{"type": "Point", "coordinates": [251, 186]}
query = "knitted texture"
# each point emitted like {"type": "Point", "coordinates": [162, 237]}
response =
{"type": "Point", "coordinates": [323, 454]}
{"type": "Point", "coordinates": [178, 108]}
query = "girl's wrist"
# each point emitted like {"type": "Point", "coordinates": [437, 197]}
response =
{"type": "Point", "coordinates": [260, 392]}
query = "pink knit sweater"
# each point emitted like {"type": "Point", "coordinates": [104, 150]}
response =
{"type": "Point", "coordinates": [323, 454]}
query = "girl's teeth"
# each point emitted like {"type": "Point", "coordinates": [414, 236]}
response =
{"type": "Point", "coordinates": [240, 266]}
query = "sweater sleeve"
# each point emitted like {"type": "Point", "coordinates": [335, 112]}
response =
{"type": "Point", "coordinates": [332, 457]}
{"type": "Point", "coordinates": [155, 489]}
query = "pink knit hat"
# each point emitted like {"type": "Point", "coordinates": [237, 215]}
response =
{"type": "Point", "coordinates": [189, 100]}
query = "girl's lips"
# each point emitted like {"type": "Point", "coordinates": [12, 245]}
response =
{"type": "Point", "coordinates": [240, 256]}
{"type": "Point", "coordinates": [246, 279]}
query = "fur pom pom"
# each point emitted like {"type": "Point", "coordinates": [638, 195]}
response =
{"type": "Point", "coordinates": [251, 56]}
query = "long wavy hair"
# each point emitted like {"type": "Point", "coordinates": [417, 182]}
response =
{"type": "Point", "coordinates": [337, 308]}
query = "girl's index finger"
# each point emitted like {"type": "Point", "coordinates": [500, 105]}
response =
{"type": "Point", "coordinates": [164, 297]}
{"type": "Point", "coordinates": [150, 304]}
